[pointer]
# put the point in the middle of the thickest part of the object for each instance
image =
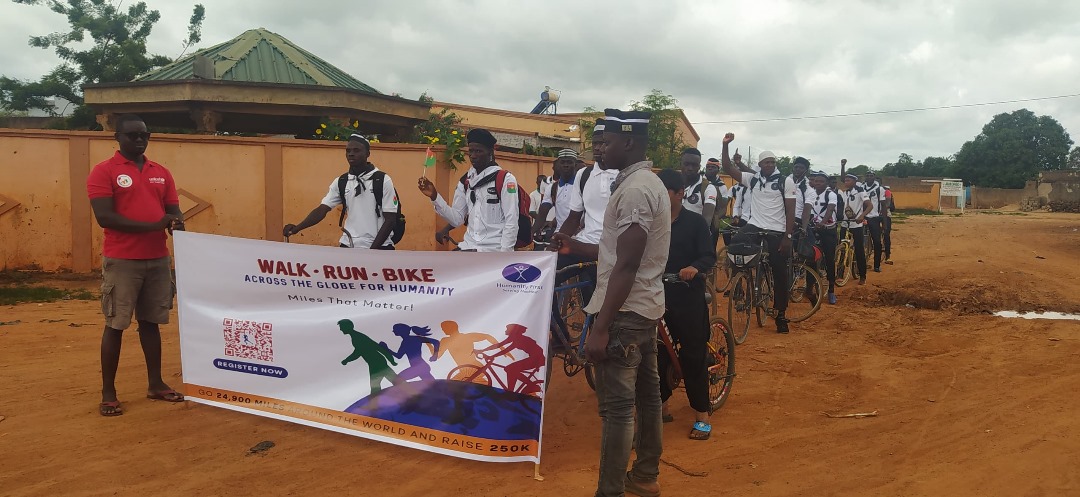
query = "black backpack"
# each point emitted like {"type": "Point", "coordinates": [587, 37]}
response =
{"type": "Point", "coordinates": [376, 189]}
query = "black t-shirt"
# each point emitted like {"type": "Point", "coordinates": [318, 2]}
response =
{"type": "Point", "coordinates": [691, 244]}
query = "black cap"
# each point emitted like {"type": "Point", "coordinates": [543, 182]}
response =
{"type": "Point", "coordinates": [599, 127]}
{"type": "Point", "coordinates": [631, 122]}
{"type": "Point", "coordinates": [801, 160]}
{"type": "Point", "coordinates": [481, 136]}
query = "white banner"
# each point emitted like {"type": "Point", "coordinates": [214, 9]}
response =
{"type": "Point", "coordinates": [439, 351]}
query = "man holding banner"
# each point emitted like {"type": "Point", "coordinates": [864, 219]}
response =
{"type": "Point", "coordinates": [629, 300]}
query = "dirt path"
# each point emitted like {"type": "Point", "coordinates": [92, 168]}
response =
{"type": "Point", "coordinates": [969, 404]}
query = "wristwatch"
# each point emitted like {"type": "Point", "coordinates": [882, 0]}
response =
{"type": "Point", "coordinates": [788, 235]}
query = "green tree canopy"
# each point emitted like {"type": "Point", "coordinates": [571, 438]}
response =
{"type": "Point", "coordinates": [1012, 149]}
{"type": "Point", "coordinates": [116, 52]}
{"type": "Point", "coordinates": [905, 166]}
{"type": "Point", "coordinates": [666, 142]}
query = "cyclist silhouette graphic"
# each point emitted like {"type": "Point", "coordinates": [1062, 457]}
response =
{"type": "Point", "coordinates": [534, 355]}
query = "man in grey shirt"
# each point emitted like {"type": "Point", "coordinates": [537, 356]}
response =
{"type": "Point", "coordinates": [628, 302]}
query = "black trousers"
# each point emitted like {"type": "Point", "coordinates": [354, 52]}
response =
{"type": "Point", "coordinates": [860, 250]}
{"type": "Point", "coordinates": [384, 247]}
{"type": "Point", "coordinates": [874, 223]}
{"type": "Point", "coordinates": [886, 232]}
{"type": "Point", "coordinates": [777, 261]}
{"type": "Point", "coordinates": [687, 320]}
{"type": "Point", "coordinates": [827, 241]}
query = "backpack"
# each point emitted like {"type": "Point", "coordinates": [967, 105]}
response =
{"type": "Point", "coordinates": [584, 177]}
{"type": "Point", "coordinates": [718, 212]}
{"type": "Point", "coordinates": [524, 231]}
{"type": "Point", "coordinates": [376, 189]}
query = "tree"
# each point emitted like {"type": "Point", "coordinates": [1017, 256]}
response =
{"type": "Point", "coordinates": [905, 166]}
{"type": "Point", "coordinates": [859, 170]}
{"type": "Point", "coordinates": [1074, 159]}
{"type": "Point", "coordinates": [666, 141]}
{"type": "Point", "coordinates": [1012, 149]}
{"type": "Point", "coordinates": [117, 52]}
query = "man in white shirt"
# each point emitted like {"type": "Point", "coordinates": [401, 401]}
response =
{"type": "Point", "coordinates": [557, 197]}
{"type": "Point", "coordinates": [875, 193]}
{"type": "Point", "coordinates": [537, 195]}
{"type": "Point", "coordinates": [772, 213]}
{"type": "Point", "coordinates": [856, 207]}
{"type": "Point", "coordinates": [802, 185]}
{"type": "Point", "coordinates": [487, 204]}
{"type": "Point", "coordinates": [367, 220]}
{"type": "Point", "coordinates": [712, 175]}
{"type": "Point", "coordinates": [700, 195]}
{"type": "Point", "coordinates": [822, 218]}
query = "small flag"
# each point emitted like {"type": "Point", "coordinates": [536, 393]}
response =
{"type": "Point", "coordinates": [430, 159]}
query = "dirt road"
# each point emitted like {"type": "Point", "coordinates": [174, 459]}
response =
{"type": "Point", "coordinates": [968, 404]}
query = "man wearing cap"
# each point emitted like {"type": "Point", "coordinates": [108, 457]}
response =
{"type": "Point", "coordinates": [557, 196]}
{"type": "Point", "coordinates": [822, 218]}
{"type": "Point", "coordinates": [723, 195]}
{"type": "Point", "coordinates": [876, 195]}
{"type": "Point", "coordinates": [802, 185]}
{"type": "Point", "coordinates": [773, 212]}
{"type": "Point", "coordinates": [361, 227]}
{"type": "Point", "coordinates": [628, 302]}
{"type": "Point", "coordinates": [856, 207]}
{"type": "Point", "coordinates": [490, 214]}
{"type": "Point", "coordinates": [699, 196]}
{"type": "Point", "coordinates": [578, 239]}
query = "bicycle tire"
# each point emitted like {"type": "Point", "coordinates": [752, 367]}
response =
{"type": "Point", "coordinates": [570, 308]}
{"type": "Point", "coordinates": [807, 306]}
{"type": "Point", "coordinates": [470, 373]}
{"type": "Point", "coordinates": [843, 263]}
{"type": "Point", "coordinates": [764, 304]}
{"type": "Point", "coordinates": [721, 347]}
{"type": "Point", "coordinates": [740, 302]}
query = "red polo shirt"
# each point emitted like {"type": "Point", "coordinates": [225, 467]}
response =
{"type": "Point", "coordinates": [137, 195]}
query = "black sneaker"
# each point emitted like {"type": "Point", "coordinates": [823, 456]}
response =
{"type": "Point", "coordinates": [781, 325]}
{"type": "Point", "coordinates": [877, 270]}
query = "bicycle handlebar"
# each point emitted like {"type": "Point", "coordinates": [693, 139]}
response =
{"type": "Point", "coordinates": [580, 265]}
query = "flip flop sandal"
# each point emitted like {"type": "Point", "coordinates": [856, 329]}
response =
{"type": "Point", "coordinates": [169, 395]}
{"type": "Point", "coordinates": [667, 418]}
{"type": "Point", "coordinates": [700, 431]}
{"type": "Point", "coordinates": [110, 409]}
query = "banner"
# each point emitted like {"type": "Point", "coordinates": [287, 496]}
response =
{"type": "Point", "coordinates": [439, 351]}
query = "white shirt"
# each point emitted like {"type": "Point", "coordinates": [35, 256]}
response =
{"type": "Point", "coordinates": [767, 197]}
{"type": "Point", "coordinates": [361, 221]}
{"type": "Point", "coordinates": [875, 193]}
{"type": "Point", "coordinates": [561, 206]}
{"type": "Point", "coordinates": [536, 198]}
{"type": "Point", "coordinates": [692, 198]}
{"type": "Point", "coordinates": [593, 203]}
{"type": "Point", "coordinates": [802, 189]}
{"type": "Point", "coordinates": [493, 224]}
{"type": "Point", "coordinates": [821, 202]}
{"type": "Point", "coordinates": [740, 208]}
{"type": "Point", "coordinates": [852, 204]}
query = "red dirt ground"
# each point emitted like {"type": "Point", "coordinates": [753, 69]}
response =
{"type": "Point", "coordinates": [968, 404]}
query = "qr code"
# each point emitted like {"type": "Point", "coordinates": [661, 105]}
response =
{"type": "Point", "coordinates": [248, 339]}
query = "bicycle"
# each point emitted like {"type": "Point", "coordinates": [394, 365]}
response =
{"type": "Point", "coordinates": [528, 384]}
{"type": "Point", "coordinates": [806, 288]}
{"type": "Point", "coordinates": [720, 359]}
{"type": "Point", "coordinates": [846, 268]}
{"type": "Point", "coordinates": [750, 287]}
{"type": "Point", "coordinates": [572, 355]}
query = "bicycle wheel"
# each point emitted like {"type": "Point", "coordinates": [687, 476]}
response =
{"type": "Point", "coordinates": [843, 263]}
{"type": "Point", "coordinates": [721, 362]}
{"type": "Point", "coordinates": [740, 302]}
{"type": "Point", "coordinates": [723, 271]}
{"type": "Point", "coordinates": [570, 310]}
{"type": "Point", "coordinates": [809, 288]}
{"type": "Point", "coordinates": [470, 373]}
{"type": "Point", "coordinates": [763, 306]}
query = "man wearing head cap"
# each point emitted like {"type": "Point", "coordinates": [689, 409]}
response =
{"type": "Point", "coordinates": [578, 239]}
{"type": "Point", "coordinates": [488, 208]}
{"type": "Point", "coordinates": [561, 183]}
{"type": "Point", "coordinates": [629, 299]}
{"type": "Point", "coordinates": [712, 175]}
{"type": "Point", "coordinates": [799, 167]}
{"type": "Point", "coordinates": [876, 194]}
{"type": "Point", "coordinates": [773, 212]}
{"type": "Point", "coordinates": [822, 216]}
{"type": "Point", "coordinates": [367, 220]}
{"type": "Point", "coordinates": [855, 208]}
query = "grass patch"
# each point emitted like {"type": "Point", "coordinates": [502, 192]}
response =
{"type": "Point", "coordinates": [999, 213]}
{"type": "Point", "coordinates": [25, 294]}
{"type": "Point", "coordinates": [918, 212]}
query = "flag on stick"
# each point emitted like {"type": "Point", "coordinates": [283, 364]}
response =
{"type": "Point", "coordinates": [429, 160]}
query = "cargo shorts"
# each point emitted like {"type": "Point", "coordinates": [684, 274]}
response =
{"type": "Point", "coordinates": [141, 286]}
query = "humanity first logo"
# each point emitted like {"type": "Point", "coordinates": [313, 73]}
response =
{"type": "Point", "coordinates": [521, 277]}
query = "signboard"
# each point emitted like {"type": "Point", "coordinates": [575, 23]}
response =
{"type": "Point", "coordinates": [950, 188]}
{"type": "Point", "coordinates": [439, 351]}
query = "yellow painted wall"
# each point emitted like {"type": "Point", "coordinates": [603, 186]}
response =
{"type": "Point", "coordinates": [236, 176]}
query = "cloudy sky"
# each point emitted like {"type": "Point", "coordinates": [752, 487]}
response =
{"type": "Point", "coordinates": [723, 61]}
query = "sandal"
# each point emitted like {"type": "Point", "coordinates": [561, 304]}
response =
{"type": "Point", "coordinates": [168, 395]}
{"type": "Point", "coordinates": [667, 418]}
{"type": "Point", "coordinates": [109, 409]}
{"type": "Point", "coordinates": [700, 431]}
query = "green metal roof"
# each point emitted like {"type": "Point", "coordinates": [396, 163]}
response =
{"type": "Point", "coordinates": [260, 56]}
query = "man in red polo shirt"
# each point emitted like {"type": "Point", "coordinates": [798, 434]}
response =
{"type": "Point", "coordinates": [134, 200]}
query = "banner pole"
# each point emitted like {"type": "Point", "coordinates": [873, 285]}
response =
{"type": "Point", "coordinates": [536, 472]}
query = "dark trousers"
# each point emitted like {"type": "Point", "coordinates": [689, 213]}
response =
{"type": "Point", "coordinates": [886, 232]}
{"type": "Point", "coordinates": [778, 261]}
{"type": "Point", "coordinates": [687, 320]}
{"type": "Point", "coordinates": [860, 250]}
{"type": "Point", "coordinates": [874, 223]}
{"type": "Point", "coordinates": [827, 241]}
{"type": "Point", "coordinates": [384, 247]}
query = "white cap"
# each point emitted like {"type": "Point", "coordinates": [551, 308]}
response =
{"type": "Point", "coordinates": [765, 155]}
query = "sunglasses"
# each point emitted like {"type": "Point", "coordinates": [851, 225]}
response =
{"type": "Point", "coordinates": [135, 135]}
